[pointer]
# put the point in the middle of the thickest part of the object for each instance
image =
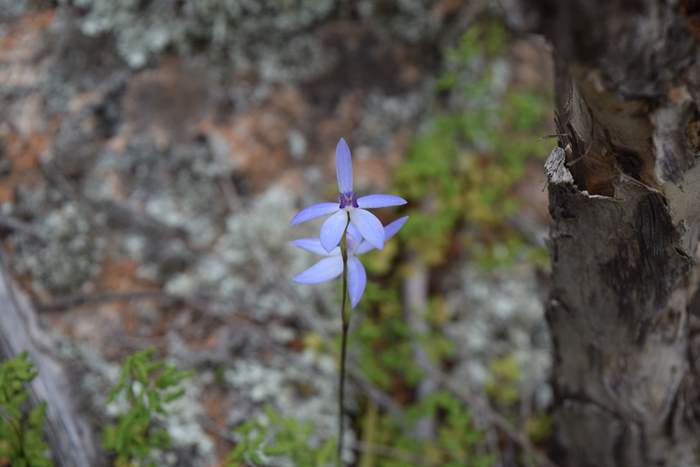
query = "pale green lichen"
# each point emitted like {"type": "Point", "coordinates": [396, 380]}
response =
{"type": "Point", "coordinates": [242, 30]}
{"type": "Point", "coordinates": [13, 8]}
{"type": "Point", "coordinates": [249, 267]}
{"type": "Point", "coordinates": [276, 38]}
{"type": "Point", "coordinates": [497, 316]}
{"type": "Point", "coordinates": [412, 20]}
{"type": "Point", "coordinates": [298, 385]}
{"type": "Point", "coordinates": [176, 188]}
{"type": "Point", "coordinates": [64, 255]}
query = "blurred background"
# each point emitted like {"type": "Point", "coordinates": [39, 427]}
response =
{"type": "Point", "coordinates": [153, 152]}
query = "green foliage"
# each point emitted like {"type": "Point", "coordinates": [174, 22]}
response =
{"type": "Point", "coordinates": [385, 346]}
{"type": "Point", "coordinates": [539, 428]}
{"type": "Point", "coordinates": [504, 380]}
{"type": "Point", "coordinates": [260, 441]}
{"type": "Point", "coordinates": [384, 341]}
{"type": "Point", "coordinates": [21, 428]}
{"type": "Point", "coordinates": [147, 385]}
{"type": "Point", "coordinates": [458, 442]}
{"type": "Point", "coordinates": [460, 173]}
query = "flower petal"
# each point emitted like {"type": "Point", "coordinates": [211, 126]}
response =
{"type": "Point", "coordinates": [369, 226]}
{"type": "Point", "coordinates": [332, 230]}
{"type": "Point", "coordinates": [363, 248]}
{"type": "Point", "coordinates": [353, 232]}
{"type": "Point", "coordinates": [324, 270]}
{"type": "Point", "coordinates": [313, 245]}
{"type": "Point", "coordinates": [314, 211]}
{"type": "Point", "coordinates": [357, 280]}
{"type": "Point", "coordinates": [389, 231]}
{"type": "Point", "coordinates": [380, 201]}
{"type": "Point", "coordinates": [353, 238]}
{"type": "Point", "coordinates": [393, 228]}
{"type": "Point", "coordinates": [352, 243]}
{"type": "Point", "coordinates": [343, 167]}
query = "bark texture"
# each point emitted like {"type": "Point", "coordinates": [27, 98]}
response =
{"type": "Point", "coordinates": [624, 192]}
{"type": "Point", "coordinates": [68, 434]}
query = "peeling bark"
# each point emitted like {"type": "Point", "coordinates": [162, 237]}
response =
{"type": "Point", "coordinates": [624, 193]}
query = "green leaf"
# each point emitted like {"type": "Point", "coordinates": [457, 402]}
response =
{"type": "Point", "coordinates": [147, 385]}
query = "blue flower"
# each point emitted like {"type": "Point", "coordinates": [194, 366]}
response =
{"type": "Point", "coordinates": [369, 227]}
{"type": "Point", "coordinates": [331, 266]}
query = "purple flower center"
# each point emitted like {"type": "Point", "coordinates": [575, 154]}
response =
{"type": "Point", "coordinates": [347, 199]}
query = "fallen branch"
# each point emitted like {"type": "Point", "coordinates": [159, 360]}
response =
{"type": "Point", "coordinates": [15, 225]}
{"type": "Point", "coordinates": [393, 453]}
{"type": "Point", "coordinates": [72, 301]}
{"type": "Point", "coordinates": [68, 434]}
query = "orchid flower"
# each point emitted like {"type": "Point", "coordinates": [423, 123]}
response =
{"type": "Point", "coordinates": [332, 266]}
{"type": "Point", "coordinates": [348, 205]}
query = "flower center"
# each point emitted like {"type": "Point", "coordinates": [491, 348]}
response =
{"type": "Point", "coordinates": [347, 200]}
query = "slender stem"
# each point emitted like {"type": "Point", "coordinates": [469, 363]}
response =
{"type": "Point", "coordinates": [341, 391]}
{"type": "Point", "coordinates": [343, 348]}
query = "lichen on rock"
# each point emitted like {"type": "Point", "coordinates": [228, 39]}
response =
{"type": "Point", "coordinates": [249, 266]}
{"type": "Point", "coordinates": [232, 29]}
{"type": "Point", "coordinates": [66, 254]}
{"type": "Point", "coordinates": [496, 316]}
{"type": "Point", "coordinates": [298, 385]}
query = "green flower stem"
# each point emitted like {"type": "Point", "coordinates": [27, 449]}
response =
{"type": "Point", "coordinates": [343, 346]}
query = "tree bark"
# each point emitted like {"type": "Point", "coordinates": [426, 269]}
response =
{"type": "Point", "coordinates": [68, 433]}
{"type": "Point", "coordinates": [624, 194]}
